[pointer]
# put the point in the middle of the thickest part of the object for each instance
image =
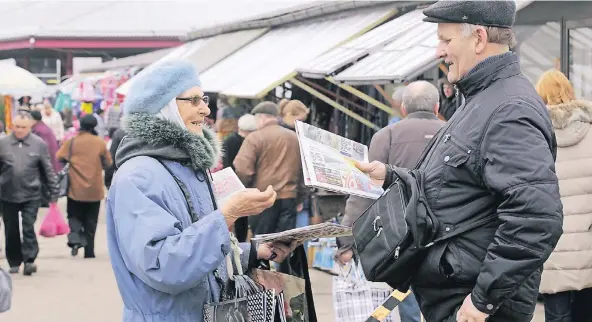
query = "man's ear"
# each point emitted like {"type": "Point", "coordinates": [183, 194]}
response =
{"type": "Point", "coordinates": [437, 108]}
{"type": "Point", "coordinates": [403, 110]}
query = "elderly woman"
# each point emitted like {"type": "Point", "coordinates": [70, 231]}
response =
{"type": "Point", "coordinates": [567, 276]}
{"type": "Point", "coordinates": [167, 239]}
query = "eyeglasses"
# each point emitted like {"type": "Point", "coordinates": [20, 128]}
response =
{"type": "Point", "coordinates": [195, 99]}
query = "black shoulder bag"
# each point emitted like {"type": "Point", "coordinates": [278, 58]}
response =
{"type": "Point", "coordinates": [392, 236]}
{"type": "Point", "coordinates": [64, 174]}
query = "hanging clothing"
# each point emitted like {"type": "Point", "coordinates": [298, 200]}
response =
{"type": "Point", "coordinates": [86, 107]}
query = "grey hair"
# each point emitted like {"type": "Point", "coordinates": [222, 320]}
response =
{"type": "Point", "coordinates": [495, 35]}
{"type": "Point", "coordinates": [247, 123]}
{"type": "Point", "coordinates": [24, 115]}
{"type": "Point", "coordinates": [420, 96]}
{"type": "Point", "coordinates": [398, 94]}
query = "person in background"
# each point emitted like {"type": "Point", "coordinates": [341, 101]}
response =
{"type": "Point", "coordinates": [25, 165]}
{"type": "Point", "coordinates": [114, 114]}
{"type": "Point", "coordinates": [271, 156]}
{"type": "Point", "coordinates": [400, 144]}
{"type": "Point", "coordinates": [101, 128]}
{"type": "Point", "coordinates": [397, 101]}
{"type": "Point", "coordinates": [232, 144]}
{"type": "Point", "coordinates": [85, 192]}
{"type": "Point", "coordinates": [116, 138]}
{"type": "Point", "coordinates": [167, 238]}
{"type": "Point", "coordinates": [43, 131]}
{"type": "Point", "coordinates": [292, 111]}
{"type": "Point", "coordinates": [566, 283]}
{"type": "Point", "coordinates": [53, 119]}
{"type": "Point", "coordinates": [2, 130]}
{"type": "Point", "coordinates": [450, 100]}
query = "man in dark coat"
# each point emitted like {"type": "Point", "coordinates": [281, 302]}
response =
{"type": "Point", "coordinates": [43, 131]}
{"type": "Point", "coordinates": [450, 99]}
{"type": "Point", "coordinates": [25, 166]}
{"type": "Point", "coordinates": [495, 158]}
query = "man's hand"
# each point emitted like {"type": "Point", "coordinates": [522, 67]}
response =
{"type": "Point", "coordinates": [376, 170]}
{"type": "Point", "coordinates": [345, 257]}
{"type": "Point", "coordinates": [300, 207]}
{"type": "Point", "coordinates": [469, 313]}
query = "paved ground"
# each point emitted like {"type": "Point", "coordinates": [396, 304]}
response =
{"type": "Point", "coordinates": [70, 289]}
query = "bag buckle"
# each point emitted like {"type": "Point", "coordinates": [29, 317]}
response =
{"type": "Point", "coordinates": [377, 225]}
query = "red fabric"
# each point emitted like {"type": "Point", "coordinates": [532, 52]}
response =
{"type": "Point", "coordinates": [54, 223]}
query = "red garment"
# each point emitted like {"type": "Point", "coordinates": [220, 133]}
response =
{"type": "Point", "coordinates": [43, 131]}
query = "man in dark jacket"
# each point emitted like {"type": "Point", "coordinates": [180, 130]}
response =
{"type": "Point", "coordinates": [25, 165]}
{"type": "Point", "coordinates": [400, 144]}
{"type": "Point", "coordinates": [116, 138]}
{"type": "Point", "coordinates": [450, 100]}
{"type": "Point", "coordinates": [232, 144]}
{"type": "Point", "coordinates": [494, 159]}
{"type": "Point", "coordinates": [44, 132]}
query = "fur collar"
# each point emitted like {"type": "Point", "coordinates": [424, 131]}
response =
{"type": "Point", "coordinates": [571, 121]}
{"type": "Point", "coordinates": [202, 152]}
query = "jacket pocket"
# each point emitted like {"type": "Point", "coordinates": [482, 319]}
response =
{"type": "Point", "coordinates": [459, 265]}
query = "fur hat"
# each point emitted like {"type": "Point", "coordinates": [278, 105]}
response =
{"type": "Point", "coordinates": [154, 89]}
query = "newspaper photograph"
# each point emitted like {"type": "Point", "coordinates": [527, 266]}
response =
{"type": "Point", "coordinates": [225, 183]}
{"type": "Point", "coordinates": [329, 162]}
{"type": "Point", "coordinates": [324, 230]}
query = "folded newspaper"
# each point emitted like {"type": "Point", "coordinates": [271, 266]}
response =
{"type": "Point", "coordinates": [225, 183]}
{"type": "Point", "coordinates": [328, 162]}
{"type": "Point", "coordinates": [324, 230]}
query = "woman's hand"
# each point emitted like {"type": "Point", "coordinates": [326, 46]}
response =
{"type": "Point", "coordinates": [247, 202]}
{"type": "Point", "coordinates": [275, 251]}
{"type": "Point", "coordinates": [375, 170]}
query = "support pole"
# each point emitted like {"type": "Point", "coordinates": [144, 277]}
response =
{"type": "Point", "coordinates": [336, 105]}
{"type": "Point", "coordinates": [363, 96]}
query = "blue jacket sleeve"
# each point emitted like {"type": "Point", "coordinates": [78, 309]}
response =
{"type": "Point", "coordinates": [153, 243]}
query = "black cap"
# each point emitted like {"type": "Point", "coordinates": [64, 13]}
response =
{"type": "Point", "coordinates": [88, 123]}
{"type": "Point", "coordinates": [36, 115]}
{"type": "Point", "coordinates": [482, 13]}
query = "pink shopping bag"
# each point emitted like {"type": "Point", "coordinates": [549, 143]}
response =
{"type": "Point", "coordinates": [54, 224]}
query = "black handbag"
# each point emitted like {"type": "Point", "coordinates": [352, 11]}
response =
{"type": "Point", "coordinates": [392, 236]}
{"type": "Point", "coordinates": [64, 174]}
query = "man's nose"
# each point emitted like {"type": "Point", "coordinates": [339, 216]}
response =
{"type": "Point", "coordinates": [441, 51]}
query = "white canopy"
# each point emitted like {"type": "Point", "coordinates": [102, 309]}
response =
{"type": "Point", "coordinates": [18, 82]}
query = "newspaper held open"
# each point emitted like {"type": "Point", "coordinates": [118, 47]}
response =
{"type": "Point", "coordinates": [328, 162]}
{"type": "Point", "coordinates": [299, 235]}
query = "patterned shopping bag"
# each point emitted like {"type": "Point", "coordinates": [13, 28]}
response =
{"type": "Point", "coordinates": [355, 298]}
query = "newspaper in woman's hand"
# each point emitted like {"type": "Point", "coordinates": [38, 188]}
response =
{"type": "Point", "coordinates": [299, 235]}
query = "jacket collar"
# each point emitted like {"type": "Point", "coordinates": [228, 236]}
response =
{"type": "Point", "coordinates": [148, 135]}
{"type": "Point", "coordinates": [422, 115]}
{"type": "Point", "coordinates": [25, 140]}
{"type": "Point", "coordinates": [488, 72]}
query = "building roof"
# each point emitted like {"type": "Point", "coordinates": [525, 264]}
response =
{"type": "Point", "coordinates": [141, 60]}
{"type": "Point", "coordinates": [260, 66]}
{"type": "Point", "coordinates": [88, 19]}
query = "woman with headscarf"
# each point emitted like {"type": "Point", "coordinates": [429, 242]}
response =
{"type": "Point", "coordinates": [88, 156]}
{"type": "Point", "coordinates": [167, 238]}
{"type": "Point", "coordinates": [566, 282]}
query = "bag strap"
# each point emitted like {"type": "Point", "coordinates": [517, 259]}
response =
{"type": "Point", "coordinates": [70, 149]}
{"type": "Point", "coordinates": [465, 228]}
{"type": "Point", "coordinates": [186, 195]}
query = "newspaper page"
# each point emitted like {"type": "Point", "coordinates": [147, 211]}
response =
{"type": "Point", "coordinates": [225, 183]}
{"type": "Point", "coordinates": [324, 230]}
{"type": "Point", "coordinates": [329, 160]}
{"type": "Point", "coordinates": [306, 176]}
